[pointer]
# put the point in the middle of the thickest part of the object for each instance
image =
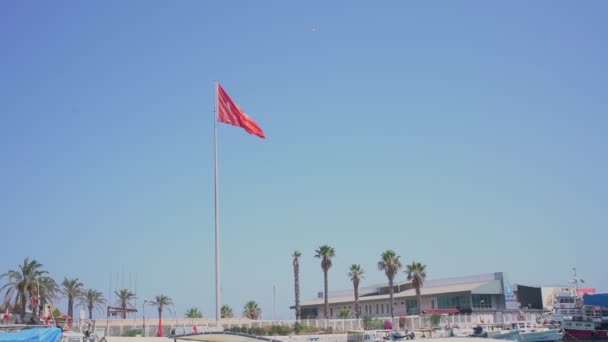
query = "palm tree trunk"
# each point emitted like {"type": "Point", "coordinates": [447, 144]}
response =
{"type": "Point", "coordinates": [23, 305]}
{"type": "Point", "coordinates": [70, 306]}
{"type": "Point", "coordinates": [160, 322]}
{"type": "Point", "coordinates": [418, 300]}
{"type": "Point", "coordinates": [326, 286]}
{"type": "Point", "coordinates": [296, 271]}
{"type": "Point", "coordinates": [357, 308]}
{"type": "Point", "coordinates": [90, 312]}
{"type": "Point", "coordinates": [390, 291]}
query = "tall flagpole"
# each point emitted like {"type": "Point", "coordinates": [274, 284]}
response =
{"type": "Point", "coordinates": [217, 214]}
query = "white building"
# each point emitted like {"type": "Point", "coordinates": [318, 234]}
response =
{"type": "Point", "coordinates": [484, 292]}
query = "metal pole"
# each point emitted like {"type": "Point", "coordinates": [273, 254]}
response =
{"type": "Point", "coordinates": [274, 301]}
{"type": "Point", "coordinates": [217, 213]}
{"type": "Point", "coordinates": [143, 310]}
{"type": "Point", "coordinates": [35, 307]}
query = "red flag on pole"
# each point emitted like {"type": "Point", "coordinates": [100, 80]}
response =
{"type": "Point", "coordinates": [230, 113]}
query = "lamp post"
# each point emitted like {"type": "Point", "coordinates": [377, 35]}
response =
{"type": "Point", "coordinates": [143, 310]}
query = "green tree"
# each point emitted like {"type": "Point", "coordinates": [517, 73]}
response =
{"type": "Point", "coordinates": [124, 298]}
{"type": "Point", "coordinates": [356, 274]}
{"type": "Point", "coordinates": [56, 313]}
{"type": "Point", "coordinates": [20, 284]}
{"type": "Point", "coordinates": [296, 275]}
{"type": "Point", "coordinates": [92, 299]}
{"type": "Point", "coordinates": [194, 313]}
{"type": "Point", "coordinates": [160, 302]}
{"type": "Point", "coordinates": [325, 253]}
{"type": "Point", "coordinates": [251, 310]}
{"type": "Point", "coordinates": [416, 273]}
{"type": "Point", "coordinates": [390, 264]}
{"type": "Point", "coordinates": [226, 311]}
{"type": "Point", "coordinates": [72, 289]}
{"type": "Point", "coordinates": [344, 313]}
{"type": "Point", "coordinates": [48, 290]}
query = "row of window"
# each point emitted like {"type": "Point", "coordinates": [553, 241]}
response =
{"type": "Point", "coordinates": [476, 301]}
{"type": "Point", "coordinates": [381, 308]}
{"type": "Point", "coordinates": [481, 301]}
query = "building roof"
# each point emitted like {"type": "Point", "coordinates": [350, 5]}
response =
{"type": "Point", "coordinates": [485, 287]}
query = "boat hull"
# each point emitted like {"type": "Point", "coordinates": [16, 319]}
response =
{"type": "Point", "coordinates": [510, 335]}
{"type": "Point", "coordinates": [541, 336]}
{"type": "Point", "coordinates": [591, 334]}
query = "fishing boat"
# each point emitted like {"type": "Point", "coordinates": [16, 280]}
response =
{"type": "Point", "coordinates": [589, 321]}
{"type": "Point", "coordinates": [529, 332]}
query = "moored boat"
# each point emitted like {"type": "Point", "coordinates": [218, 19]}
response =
{"type": "Point", "coordinates": [528, 332]}
{"type": "Point", "coordinates": [589, 320]}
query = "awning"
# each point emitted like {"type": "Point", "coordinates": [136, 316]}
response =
{"type": "Point", "coordinates": [441, 311]}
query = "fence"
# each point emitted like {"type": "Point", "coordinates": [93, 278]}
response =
{"type": "Point", "coordinates": [119, 327]}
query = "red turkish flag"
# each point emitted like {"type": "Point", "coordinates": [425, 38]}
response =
{"type": "Point", "coordinates": [230, 113]}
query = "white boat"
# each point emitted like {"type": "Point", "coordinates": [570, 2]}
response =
{"type": "Point", "coordinates": [377, 336]}
{"type": "Point", "coordinates": [528, 332]}
{"type": "Point", "coordinates": [508, 335]}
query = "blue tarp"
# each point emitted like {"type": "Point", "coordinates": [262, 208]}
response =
{"type": "Point", "coordinates": [600, 299]}
{"type": "Point", "coordinates": [33, 335]}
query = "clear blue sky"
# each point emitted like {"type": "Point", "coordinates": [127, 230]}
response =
{"type": "Point", "coordinates": [470, 136]}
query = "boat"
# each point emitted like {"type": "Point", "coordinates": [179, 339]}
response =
{"type": "Point", "coordinates": [529, 332]}
{"type": "Point", "coordinates": [588, 322]}
{"type": "Point", "coordinates": [377, 336]}
{"type": "Point", "coordinates": [582, 318]}
{"type": "Point", "coordinates": [508, 335]}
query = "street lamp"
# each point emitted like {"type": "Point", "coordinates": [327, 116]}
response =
{"type": "Point", "coordinates": [143, 309]}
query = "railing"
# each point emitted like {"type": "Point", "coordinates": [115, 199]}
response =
{"type": "Point", "coordinates": [120, 327]}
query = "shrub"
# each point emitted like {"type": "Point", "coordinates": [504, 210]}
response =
{"type": "Point", "coordinates": [131, 332]}
{"type": "Point", "coordinates": [435, 319]}
{"type": "Point", "coordinates": [370, 323]}
{"type": "Point", "coordinates": [279, 330]}
{"type": "Point", "coordinates": [402, 321]}
{"type": "Point", "coordinates": [344, 313]}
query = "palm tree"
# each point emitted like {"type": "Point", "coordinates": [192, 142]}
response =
{"type": "Point", "coordinates": [296, 275]}
{"type": "Point", "coordinates": [226, 311]}
{"type": "Point", "coordinates": [251, 310]}
{"type": "Point", "coordinates": [124, 297]}
{"type": "Point", "coordinates": [355, 274]}
{"type": "Point", "coordinates": [194, 313]}
{"type": "Point", "coordinates": [161, 301]}
{"type": "Point", "coordinates": [325, 253]}
{"type": "Point", "coordinates": [20, 284]}
{"type": "Point", "coordinates": [71, 288]}
{"type": "Point", "coordinates": [48, 291]}
{"type": "Point", "coordinates": [416, 272]}
{"type": "Point", "coordinates": [92, 299]}
{"type": "Point", "coordinates": [390, 264]}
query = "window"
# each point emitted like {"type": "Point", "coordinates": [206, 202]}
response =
{"type": "Point", "coordinates": [377, 307]}
{"type": "Point", "coordinates": [454, 301]}
{"type": "Point", "coordinates": [382, 308]}
{"type": "Point", "coordinates": [481, 301]}
{"type": "Point", "coordinates": [411, 306]}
